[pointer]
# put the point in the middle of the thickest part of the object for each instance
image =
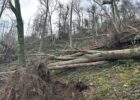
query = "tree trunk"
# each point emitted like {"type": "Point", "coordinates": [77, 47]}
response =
{"type": "Point", "coordinates": [50, 19]}
{"type": "Point", "coordinates": [94, 56]}
{"type": "Point", "coordinates": [4, 3]}
{"type": "Point", "coordinates": [20, 28]}
{"type": "Point", "coordinates": [43, 35]}
{"type": "Point", "coordinates": [44, 30]}
{"type": "Point", "coordinates": [70, 33]}
{"type": "Point", "coordinates": [77, 65]}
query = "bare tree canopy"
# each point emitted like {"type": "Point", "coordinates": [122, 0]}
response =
{"type": "Point", "coordinates": [3, 5]}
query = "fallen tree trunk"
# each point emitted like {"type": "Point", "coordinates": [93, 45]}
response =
{"type": "Point", "coordinates": [103, 55]}
{"type": "Point", "coordinates": [76, 54]}
{"type": "Point", "coordinates": [53, 57]}
{"type": "Point", "coordinates": [8, 73]}
{"type": "Point", "coordinates": [77, 65]}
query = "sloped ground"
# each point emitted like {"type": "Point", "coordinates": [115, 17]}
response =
{"type": "Point", "coordinates": [35, 83]}
{"type": "Point", "coordinates": [115, 81]}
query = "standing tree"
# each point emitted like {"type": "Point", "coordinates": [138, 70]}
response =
{"type": "Point", "coordinates": [52, 9]}
{"type": "Point", "coordinates": [94, 19]}
{"type": "Point", "coordinates": [60, 6]}
{"type": "Point", "coordinates": [127, 10]}
{"type": "Point", "coordinates": [45, 7]}
{"type": "Point", "coordinates": [20, 28]}
{"type": "Point", "coordinates": [37, 26]}
{"type": "Point", "coordinates": [114, 7]}
{"type": "Point", "coordinates": [63, 24]}
{"type": "Point", "coordinates": [70, 33]}
{"type": "Point", "coordinates": [77, 9]}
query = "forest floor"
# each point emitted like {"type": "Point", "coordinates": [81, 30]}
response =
{"type": "Point", "coordinates": [114, 81]}
{"type": "Point", "coordinates": [118, 80]}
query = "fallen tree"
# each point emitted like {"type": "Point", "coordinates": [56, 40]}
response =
{"type": "Point", "coordinates": [85, 58]}
{"type": "Point", "coordinates": [92, 57]}
{"type": "Point", "coordinates": [53, 57]}
{"type": "Point", "coordinates": [77, 65]}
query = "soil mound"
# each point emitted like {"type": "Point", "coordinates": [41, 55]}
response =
{"type": "Point", "coordinates": [35, 83]}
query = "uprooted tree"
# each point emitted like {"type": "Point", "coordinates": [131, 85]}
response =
{"type": "Point", "coordinates": [36, 83]}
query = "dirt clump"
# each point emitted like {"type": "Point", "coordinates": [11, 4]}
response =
{"type": "Point", "coordinates": [35, 83]}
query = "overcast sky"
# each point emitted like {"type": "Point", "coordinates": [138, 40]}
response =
{"type": "Point", "coordinates": [29, 8]}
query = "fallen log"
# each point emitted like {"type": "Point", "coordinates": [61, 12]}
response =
{"type": "Point", "coordinates": [75, 54]}
{"type": "Point", "coordinates": [53, 57]}
{"type": "Point", "coordinates": [63, 58]}
{"type": "Point", "coordinates": [91, 64]}
{"type": "Point", "coordinates": [94, 58]}
{"type": "Point", "coordinates": [77, 65]}
{"type": "Point", "coordinates": [103, 55]}
{"type": "Point", "coordinates": [75, 61]}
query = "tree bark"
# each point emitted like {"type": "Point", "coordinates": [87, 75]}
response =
{"type": "Point", "coordinates": [4, 3]}
{"type": "Point", "coordinates": [44, 30]}
{"type": "Point", "coordinates": [70, 33]}
{"type": "Point", "coordinates": [51, 29]}
{"type": "Point", "coordinates": [94, 56]}
{"type": "Point", "coordinates": [53, 57]}
{"type": "Point", "coordinates": [20, 28]}
{"type": "Point", "coordinates": [77, 65]}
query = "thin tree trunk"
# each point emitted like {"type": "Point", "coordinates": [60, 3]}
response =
{"type": "Point", "coordinates": [43, 35]}
{"type": "Point", "coordinates": [70, 33]}
{"type": "Point", "coordinates": [96, 28]}
{"type": "Point", "coordinates": [3, 7]}
{"type": "Point", "coordinates": [44, 31]}
{"type": "Point", "coordinates": [59, 23]}
{"type": "Point", "coordinates": [50, 20]}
